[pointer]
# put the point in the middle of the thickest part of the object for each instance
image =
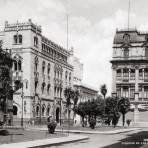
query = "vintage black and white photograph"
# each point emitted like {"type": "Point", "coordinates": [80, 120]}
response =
{"type": "Point", "coordinates": [73, 74]}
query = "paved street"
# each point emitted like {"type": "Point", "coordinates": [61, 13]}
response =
{"type": "Point", "coordinates": [109, 141]}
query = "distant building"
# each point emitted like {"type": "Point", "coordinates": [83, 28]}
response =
{"type": "Point", "coordinates": [43, 67]}
{"type": "Point", "coordinates": [77, 68]}
{"type": "Point", "coordinates": [130, 70]}
{"type": "Point", "coordinates": [86, 92]}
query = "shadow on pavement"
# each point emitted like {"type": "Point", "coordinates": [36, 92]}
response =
{"type": "Point", "coordinates": [132, 141]}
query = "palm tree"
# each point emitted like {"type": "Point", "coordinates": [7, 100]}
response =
{"type": "Point", "coordinates": [124, 107]}
{"type": "Point", "coordinates": [103, 90]}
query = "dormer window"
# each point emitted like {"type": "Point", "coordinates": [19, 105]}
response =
{"type": "Point", "coordinates": [18, 39]}
{"type": "Point", "coordinates": [35, 41]}
{"type": "Point", "coordinates": [126, 52]}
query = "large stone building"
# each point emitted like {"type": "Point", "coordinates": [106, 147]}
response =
{"type": "Point", "coordinates": [130, 70]}
{"type": "Point", "coordinates": [42, 66]}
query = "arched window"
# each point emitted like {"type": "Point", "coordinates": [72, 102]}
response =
{"type": "Point", "coordinates": [43, 87]}
{"type": "Point", "coordinates": [48, 88]}
{"type": "Point", "coordinates": [19, 65]}
{"type": "Point", "coordinates": [15, 65]}
{"type": "Point", "coordinates": [36, 61]}
{"type": "Point", "coordinates": [37, 111]}
{"type": "Point", "coordinates": [43, 67]}
{"type": "Point", "coordinates": [48, 69]}
{"type": "Point", "coordinates": [43, 110]}
{"type": "Point", "coordinates": [48, 111]}
{"type": "Point", "coordinates": [70, 77]}
{"type": "Point", "coordinates": [66, 75]}
{"type": "Point", "coordinates": [15, 109]}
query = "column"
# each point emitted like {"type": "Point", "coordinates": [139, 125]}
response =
{"type": "Point", "coordinates": [136, 114]}
{"type": "Point", "coordinates": [113, 80]}
{"type": "Point", "coordinates": [121, 91]}
{"type": "Point", "coordinates": [136, 84]}
{"type": "Point", "coordinates": [129, 91]}
{"type": "Point", "coordinates": [142, 95]}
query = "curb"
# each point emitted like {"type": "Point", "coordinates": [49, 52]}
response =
{"type": "Point", "coordinates": [101, 132]}
{"type": "Point", "coordinates": [45, 142]}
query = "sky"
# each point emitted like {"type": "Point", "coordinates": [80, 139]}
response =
{"type": "Point", "coordinates": [92, 26]}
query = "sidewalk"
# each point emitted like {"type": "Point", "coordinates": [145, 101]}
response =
{"type": "Point", "coordinates": [45, 142]}
{"type": "Point", "coordinates": [92, 132]}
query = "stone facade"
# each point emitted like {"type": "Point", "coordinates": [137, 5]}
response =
{"type": "Point", "coordinates": [129, 68]}
{"type": "Point", "coordinates": [43, 68]}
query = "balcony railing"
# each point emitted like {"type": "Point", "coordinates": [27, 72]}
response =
{"type": "Point", "coordinates": [130, 58]}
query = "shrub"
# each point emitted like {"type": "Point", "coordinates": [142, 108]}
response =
{"type": "Point", "coordinates": [51, 127]}
{"type": "Point", "coordinates": [92, 123]}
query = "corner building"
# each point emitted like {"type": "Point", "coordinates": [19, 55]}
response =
{"type": "Point", "coordinates": [130, 70]}
{"type": "Point", "coordinates": [43, 68]}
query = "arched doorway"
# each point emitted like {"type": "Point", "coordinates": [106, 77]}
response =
{"type": "Point", "coordinates": [15, 109]}
{"type": "Point", "coordinates": [57, 114]}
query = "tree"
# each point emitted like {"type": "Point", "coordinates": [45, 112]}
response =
{"type": "Point", "coordinates": [103, 90]}
{"type": "Point", "coordinates": [111, 110]}
{"type": "Point", "coordinates": [124, 107]}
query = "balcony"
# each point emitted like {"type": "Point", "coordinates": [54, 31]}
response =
{"type": "Point", "coordinates": [121, 58]}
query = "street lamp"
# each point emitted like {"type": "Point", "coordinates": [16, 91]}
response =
{"type": "Point", "coordinates": [22, 86]}
{"type": "Point", "coordinates": [60, 106]}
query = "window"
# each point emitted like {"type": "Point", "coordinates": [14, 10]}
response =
{"type": "Point", "coordinates": [19, 65]}
{"type": "Point", "coordinates": [145, 92]}
{"type": "Point", "coordinates": [48, 88]}
{"type": "Point", "coordinates": [48, 69]}
{"type": "Point", "coordinates": [43, 110]}
{"type": "Point", "coordinates": [15, 65]}
{"type": "Point", "coordinates": [18, 39]}
{"type": "Point", "coordinates": [126, 52]}
{"type": "Point", "coordinates": [43, 67]}
{"type": "Point", "coordinates": [66, 75]}
{"type": "Point", "coordinates": [70, 77]}
{"type": "Point", "coordinates": [132, 74]}
{"type": "Point", "coordinates": [125, 92]}
{"type": "Point", "coordinates": [43, 87]}
{"type": "Point", "coordinates": [36, 63]}
{"type": "Point", "coordinates": [132, 92]}
{"type": "Point", "coordinates": [37, 111]}
{"type": "Point", "coordinates": [15, 39]}
{"type": "Point", "coordinates": [140, 74]}
{"type": "Point", "coordinates": [48, 110]}
{"type": "Point", "coordinates": [125, 74]}
{"type": "Point", "coordinates": [146, 74]}
{"type": "Point", "coordinates": [119, 74]}
{"type": "Point", "coordinates": [146, 52]}
{"type": "Point", "coordinates": [118, 91]}
{"type": "Point", "coordinates": [35, 41]}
